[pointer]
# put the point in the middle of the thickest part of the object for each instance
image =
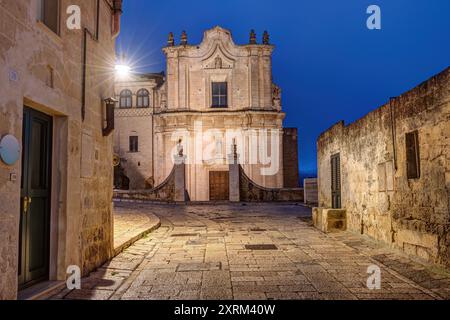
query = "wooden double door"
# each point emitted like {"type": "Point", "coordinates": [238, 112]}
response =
{"type": "Point", "coordinates": [219, 185]}
{"type": "Point", "coordinates": [34, 237]}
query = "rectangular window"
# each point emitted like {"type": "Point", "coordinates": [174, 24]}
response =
{"type": "Point", "coordinates": [219, 95]}
{"type": "Point", "coordinates": [412, 155]}
{"type": "Point", "coordinates": [134, 144]}
{"type": "Point", "coordinates": [48, 14]}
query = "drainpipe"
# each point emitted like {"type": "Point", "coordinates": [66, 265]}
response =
{"type": "Point", "coordinates": [117, 12]}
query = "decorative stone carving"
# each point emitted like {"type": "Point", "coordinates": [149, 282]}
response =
{"type": "Point", "coordinates": [180, 148]}
{"type": "Point", "coordinates": [218, 62]}
{"type": "Point", "coordinates": [163, 101]}
{"type": "Point", "coordinates": [184, 39]}
{"type": "Point", "coordinates": [266, 39]}
{"type": "Point", "coordinates": [170, 41]}
{"type": "Point", "coordinates": [276, 96]}
{"type": "Point", "coordinates": [252, 37]}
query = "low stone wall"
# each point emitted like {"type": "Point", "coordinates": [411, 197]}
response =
{"type": "Point", "coordinates": [250, 191]}
{"type": "Point", "coordinates": [164, 192]}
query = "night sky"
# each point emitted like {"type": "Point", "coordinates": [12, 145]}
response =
{"type": "Point", "coordinates": [328, 64]}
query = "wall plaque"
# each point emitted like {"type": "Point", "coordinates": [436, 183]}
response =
{"type": "Point", "coordinates": [9, 149]}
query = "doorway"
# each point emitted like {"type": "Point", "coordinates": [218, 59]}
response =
{"type": "Point", "coordinates": [34, 236]}
{"type": "Point", "coordinates": [219, 187]}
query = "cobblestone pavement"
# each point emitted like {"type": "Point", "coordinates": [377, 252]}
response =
{"type": "Point", "coordinates": [200, 252]}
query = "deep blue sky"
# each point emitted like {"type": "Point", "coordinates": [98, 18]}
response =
{"type": "Point", "coordinates": [328, 64]}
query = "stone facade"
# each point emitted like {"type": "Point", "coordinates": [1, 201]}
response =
{"type": "Point", "coordinates": [43, 70]}
{"type": "Point", "coordinates": [184, 110]}
{"type": "Point", "coordinates": [137, 121]}
{"type": "Point", "coordinates": [381, 198]}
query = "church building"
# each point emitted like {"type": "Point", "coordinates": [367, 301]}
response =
{"type": "Point", "coordinates": [217, 99]}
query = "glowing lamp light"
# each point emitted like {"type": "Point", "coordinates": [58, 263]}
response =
{"type": "Point", "coordinates": [122, 70]}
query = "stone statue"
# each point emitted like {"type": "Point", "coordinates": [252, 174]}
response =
{"type": "Point", "coordinates": [266, 38]}
{"type": "Point", "coordinates": [170, 41]}
{"type": "Point", "coordinates": [276, 96]}
{"type": "Point", "coordinates": [180, 148]}
{"type": "Point", "coordinates": [184, 40]}
{"type": "Point", "coordinates": [218, 62]}
{"type": "Point", "coordinates": [252, 37]}
{"type": "Point", "coordinates": [219, 145]}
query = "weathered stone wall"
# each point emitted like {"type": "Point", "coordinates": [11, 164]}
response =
{"type": "Point", "coordinates": [412, 214]}
{"type": "Point", "coordinates": [252, 192]}
{"type": "Point", "coordinates": [138, 166]}
{"type": "Point", "coordinates": [290, 158]}
{"type": "Point", "coordinates": [49, 74]}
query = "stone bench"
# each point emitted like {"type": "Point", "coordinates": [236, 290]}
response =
{"type": "Point", "coordinates": [330, 220]}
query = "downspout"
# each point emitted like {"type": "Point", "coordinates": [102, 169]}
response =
{"type": "Point", "coordinates": [117, 12]}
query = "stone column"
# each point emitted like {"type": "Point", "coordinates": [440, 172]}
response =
{"type": "Point", "coordinates": [180, 184]}
{"type": "Point", "coordinates": [233, 164]}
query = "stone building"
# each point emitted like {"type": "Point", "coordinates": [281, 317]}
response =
{"type": "Point", "coordinates": [390, 171]}
{"type": "Point", "coordinates": [133, 135]}
{"type": "Point", "coordinates": [56, 210]}
{"type": "Point", "coordinates": [215, 95]}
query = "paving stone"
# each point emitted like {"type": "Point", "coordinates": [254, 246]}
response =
{"type": "Point", "coordinates": [199, 253]}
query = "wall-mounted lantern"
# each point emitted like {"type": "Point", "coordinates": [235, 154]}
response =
{"type": "Point", "coordinates": [110, 104]}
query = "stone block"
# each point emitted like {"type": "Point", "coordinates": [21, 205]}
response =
{"type": "Point", "coordinates": [425, 245]}
{"type": "Point", "coordinates": [330, 220]}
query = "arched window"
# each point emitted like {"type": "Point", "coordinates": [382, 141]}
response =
{"type": "Point", "coordinates": [143, 99]}
{"type": "Point", "coordinates": [126, 99]}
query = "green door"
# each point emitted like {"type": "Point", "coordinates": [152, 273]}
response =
{"type": "Point", "coordinates": [336, 181]}
{"type": "Point", "coordinates": [34, 235]}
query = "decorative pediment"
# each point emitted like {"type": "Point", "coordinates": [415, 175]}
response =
{"type": "Point", "coordinates": [218, 59]}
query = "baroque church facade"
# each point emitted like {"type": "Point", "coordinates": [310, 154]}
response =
{"type": "Point", "coordinates": [216, 99]}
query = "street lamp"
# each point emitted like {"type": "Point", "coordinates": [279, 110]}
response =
{"type": "Point", "coordinates": [122, 70]}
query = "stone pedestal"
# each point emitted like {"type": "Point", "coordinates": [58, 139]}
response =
{"type": "Point", "coordinates": [180, 180]}
{"type": "Point", "coordinates": [233, 164]}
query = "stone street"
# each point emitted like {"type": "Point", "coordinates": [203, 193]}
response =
{"type": "Point", "coordinates": [253, 251]}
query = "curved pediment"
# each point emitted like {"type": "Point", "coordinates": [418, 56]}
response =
{"type": "Point", "coordinates": [218, 59]}
{"type": "Point", "coordinates": [218, 42]}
